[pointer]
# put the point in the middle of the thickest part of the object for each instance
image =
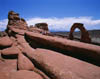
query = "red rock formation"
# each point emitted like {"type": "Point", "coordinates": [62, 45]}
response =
{"type": "Point", "coordinates": [31, 62]}
{"type": "Point", "coordinates": [2, 34]}
{"type": "Point", "coordinates": [59, 66]}
{"type": "Point", "coordinates": [15, 21]}
{"type": "Point", "coordinates": [24, 63]}
{"type": "Point", "coordinates": [43, 26]}
{"type": "Point", "coordinates": [10, 51]}
{"type": "Point", "coordinates": [36, 30]}
{"type": "Point", "coordinates": [24, 74]}
{"type": "Point", "coordinates": [87, 50]}
{"type": "Point", "coordinates": [5, 42]}
{"type": "Point", "coordinates": [7, 67]}
{"type": "Point", "coordinates": [84, 33]}
{"type": "Point", "coordinates": [40, 28]}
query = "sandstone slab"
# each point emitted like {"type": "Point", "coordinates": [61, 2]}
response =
{"type": "Point", "coordinates": [7, 67]}
{"type": "Point", "coordinates": [26, 47]}
{"type": "Point", "coordinates": [24, 63]}
{"type": "Point", "coordinates": [16, 30]}
{"type": "Point", "coordinates": [59, 66]}
{"type": "Point", "coordinates": [84, 49]}
{"type": "Point", "coordinates": [20, 39]}
{"type": "Point", "coordinates": [11, 51]}
{"type": "Point", "coordinates": [24, 74]}
{"type": "Point", "coordinates": [5, 41]}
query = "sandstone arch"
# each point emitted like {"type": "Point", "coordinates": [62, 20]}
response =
{"type": "Point", "coordinates": [84, 33]}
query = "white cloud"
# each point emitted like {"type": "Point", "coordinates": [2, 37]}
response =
{"type": "Point", "coordinates": [64, 24]}
{"type": "Point", "coordinates": [3, 24]}
{"type": "Point", "coordinates": [60, 24]}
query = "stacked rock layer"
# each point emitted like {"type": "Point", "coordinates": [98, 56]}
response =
{"type": "Point", "coordinates": [34, 53]}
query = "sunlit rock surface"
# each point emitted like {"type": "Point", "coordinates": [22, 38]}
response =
{"type": "Point", "coordinates": [34, 53]}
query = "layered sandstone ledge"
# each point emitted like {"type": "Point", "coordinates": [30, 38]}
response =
{"type": "Point", "coordinates": [34, 53]}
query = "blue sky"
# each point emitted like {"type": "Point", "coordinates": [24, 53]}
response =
{"type": "Point", "coordinates": [53, 11]}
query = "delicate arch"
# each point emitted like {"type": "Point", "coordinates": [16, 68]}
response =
{"type": "Point", "coordinates": [84, 33]}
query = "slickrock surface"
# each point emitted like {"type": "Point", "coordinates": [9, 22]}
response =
{"type": "Point", "coordinates": [11, 51]}
{"type": "Point", "coordinates": [88, 50]}
{"type": "Point", "coordinates": [7, 67]}
{"type": "Point", "coordinates": [24, 63]}
{"type": "Point", "coordinates": [5, 42]}
{"type": "Point", "coordinates": [34, 53]}
{"type": "Point", "coordinates": [24, 74]}
{"type": "Point", "coordinates": [59, 66]}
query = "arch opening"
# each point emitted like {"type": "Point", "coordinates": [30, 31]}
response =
{"type": "Point", "coordinates": [77, 34]}
{"type": "Point", "coordinates": [84, 33]}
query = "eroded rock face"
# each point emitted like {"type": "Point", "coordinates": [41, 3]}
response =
{"type": "Point", "coordinates": [2, 34]}
{"type": "Point", "coordinates": [34, 62]}
{"type": "Point", "coordinates": [60, 44]}
{"type": "Point", "coordinates": [40, 28]}
{"type": "Point", "coordinates": [59, 66]}
{"type": "Point", "coordinates": [43, 26]}
{"type": "Point", "coordinates": [84, 33]}
{"type": "Point", "coordinates": [35, 29]}
{"type": "Point", "coordinates": [15, 21]}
